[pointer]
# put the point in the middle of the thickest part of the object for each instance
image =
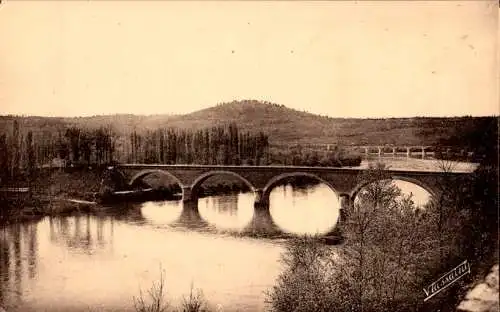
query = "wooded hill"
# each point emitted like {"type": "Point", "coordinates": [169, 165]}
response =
{"type": "Point", "coordinates": [288, 126]}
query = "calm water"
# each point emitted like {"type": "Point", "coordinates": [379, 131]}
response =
{"type": "Point", "coordinates": [99, 263]}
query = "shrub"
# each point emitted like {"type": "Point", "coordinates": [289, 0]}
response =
{"type": "Point", "coordinates": [157, 301]}
{"type": "Point", "coordinates": [195, 302]}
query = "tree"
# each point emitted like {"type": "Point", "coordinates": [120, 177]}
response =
{"type": "Point", "coordinates": [16, 153]}
{"type": "Point", "coordinates": [4, 157]}
{"type": "Point", "coordinates": [62, 147]}
{"type": "Point", "coordinates": [30, 150]}
{"type": "Point", "coordinates": [73, 136]}
{"type": "Point", "coordinates": [86, 144]}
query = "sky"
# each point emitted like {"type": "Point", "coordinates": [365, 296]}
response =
{"type": "Point", "coordinates": [335, 58]}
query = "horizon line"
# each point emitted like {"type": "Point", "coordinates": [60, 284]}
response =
{"type": "Point", "coordinates": [242, 101]}
{"type": "Point", "coordinates": [11, 115]}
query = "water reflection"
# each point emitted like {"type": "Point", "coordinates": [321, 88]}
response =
{"type": "Point", "coordinates": [305, 210]}
{"type": "Point", "coordinates": [61, 264]}
{"type": "Point", "coordinates": [81, 234]}
{"type": "Point", "coordinates": [161, 213]}
{"type": "Point", "coordinates": [231, 212]}
{"type": "Point", "coordinates": [262, 224]}
{"type": "Point", "coordinates": [191, 218]}
{"type": "Point", "coordinates": [18, 261]}
{"type": "Point", "coordinates": [175, 214]}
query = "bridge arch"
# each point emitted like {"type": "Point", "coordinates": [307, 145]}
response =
{"type": "Point", "coordinates": [433, 192]}
{"type": "Point", "coordinates": [144, 173]}
{"type": "Point", "coordinates": [199, 180]}
{"type": "Point", "coordinates": [276, 179]}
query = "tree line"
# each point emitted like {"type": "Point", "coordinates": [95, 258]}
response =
{"type": "Point", "coordinates": [22, 149]}
{"type": "Point", "coordinates": [218, 145]}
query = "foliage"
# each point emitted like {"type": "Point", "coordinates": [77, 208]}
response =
{"type": "Point", "coordinates": [299, 156]}
{"type": "Point", "coordinates": [478, 135]}
{"type": "Point", "coordinates": [306, 282]}
{"type": "Point", "coordinates": [24, 151]}
{"type": "Point", "coordinates": [221, 145]}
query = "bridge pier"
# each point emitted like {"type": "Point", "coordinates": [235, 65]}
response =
{"type": "Point", "coordinates": [408, 152]}
{"type": "Point", "coordinates": [187, 194]}
{"type": "Point", "coordinates": [260, 203]}
{"type": "Point", "coordinates": [346, 204]}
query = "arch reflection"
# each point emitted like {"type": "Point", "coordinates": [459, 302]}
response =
{"type": "Point", "coordinates": [304, 209]}
{"type": "Point", "coordinates": [162, 212]}
{"type": "Point", "coordinates": [228, 212]}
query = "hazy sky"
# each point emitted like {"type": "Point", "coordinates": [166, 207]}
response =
{"type": "Point", "coordinates": [340, 58]}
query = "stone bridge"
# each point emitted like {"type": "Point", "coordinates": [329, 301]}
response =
{"type": "Point", "coordinates": [345, 182]}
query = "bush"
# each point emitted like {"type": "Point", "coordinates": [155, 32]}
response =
{"type": "Point", "coordinates": [157, 301]}
{"type": "Point", "coordinates": [195, 302]}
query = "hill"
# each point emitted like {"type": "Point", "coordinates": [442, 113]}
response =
{"type": "Point", "coordinates": [288, 126]}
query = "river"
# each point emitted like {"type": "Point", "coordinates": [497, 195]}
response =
{"type": "Point", "coordinates": [100, 262]}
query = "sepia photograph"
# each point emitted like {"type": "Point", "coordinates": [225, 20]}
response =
{"type": "Point", "coordinates": [248, 156]}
